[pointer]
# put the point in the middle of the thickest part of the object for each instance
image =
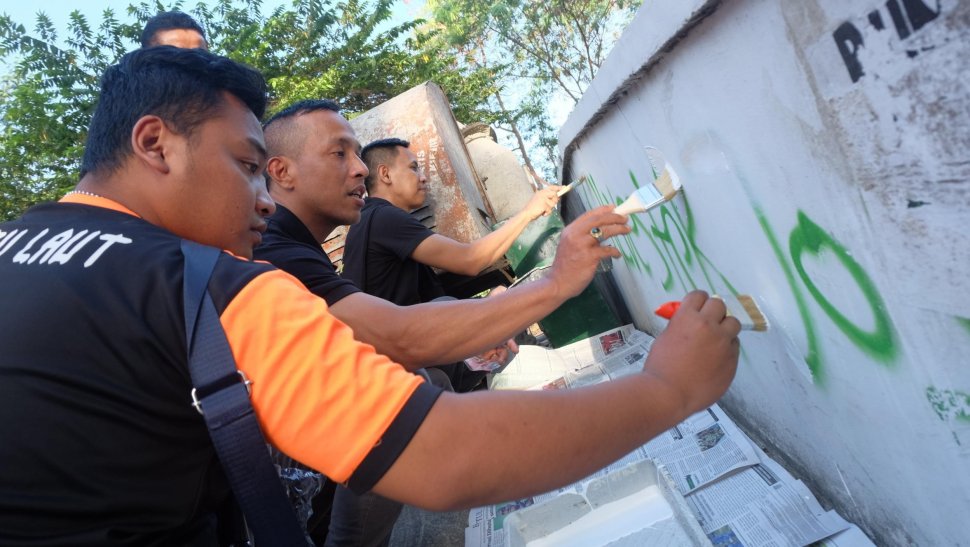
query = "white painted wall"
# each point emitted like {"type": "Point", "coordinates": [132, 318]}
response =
{"type": "Point", "coordinates": [840, 199]}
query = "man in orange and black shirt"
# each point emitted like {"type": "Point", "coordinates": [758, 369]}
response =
{"type": "Point", "coordinates": [100, 444]}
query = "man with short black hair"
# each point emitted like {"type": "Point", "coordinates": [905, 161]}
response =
{"type": "Point", "coordinates": [316, 178]}
{"type": "Point", "coordinates": [173, 28]}
{"type": "Point", "coordinates": [101, 445]}
{"type": "Point", "coordinates": [390, 254]}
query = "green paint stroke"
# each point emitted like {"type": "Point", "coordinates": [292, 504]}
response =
{"type": "Point", "coordinates": [631, 253]}
{"type": "Point", "coordinates": [808, 237]}
{"type": "Point", "coordinates": [949, 404]}
{"type": "Point", "coordinates": [964, 322]}
{"type": "Point", "coordinates": [703, 261]}
{"type": "Point", "coordinates": [669, 249]}
{"type": "Point", "coordinates": [813, 358]}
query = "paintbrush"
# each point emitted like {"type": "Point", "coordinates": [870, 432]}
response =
{"type": "Point", "coordinates": [742, 307]}
{"type": "Point", "coordinates": [565, 189]}
{"type": "Point", "coordinates": [663, 189]}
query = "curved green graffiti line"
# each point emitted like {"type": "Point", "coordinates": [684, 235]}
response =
{"type": "Point", "coordinates": [813, 357]}
{"type": "Point", "coordinates": [808, 237]}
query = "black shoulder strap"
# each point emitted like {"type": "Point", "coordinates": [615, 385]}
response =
{"type": "Point", "coordinates": [221, 395]}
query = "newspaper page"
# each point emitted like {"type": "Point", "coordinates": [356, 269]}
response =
{"type": "Point", "coordinates": [853, 537]}
{"type": "Point", "coordinates": [739, 495]}
{"type": "Point", "coordinates": [606, 356]}
{"type": "Point", "coordinates": [483, 534]}
{"type": "Point", "coordinates": [702, 449]}
{"type": "Point", "coordinates": [762, 506]}
{"type": "Point", "coordinates": [486, 524]}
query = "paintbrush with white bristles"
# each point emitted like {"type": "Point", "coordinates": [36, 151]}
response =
{"type": "Point", "coordinates": [742, 307]}
{"type": "Point", "coordinates": [664, 187]}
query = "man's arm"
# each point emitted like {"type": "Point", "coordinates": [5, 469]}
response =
{"type": "Point", "coordinates": [542, 440]}
{"type": "Point", "coordinates": [445, 332]}
{"type": "Point", "coordinates": [471, 258]}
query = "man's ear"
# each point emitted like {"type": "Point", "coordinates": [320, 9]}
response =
{"type": "Point", "coordinates": [151, 140]}
{"type": "Point", "coordinates": [383, 174]}
{"type": "Point", "coordinates": [280, 170]}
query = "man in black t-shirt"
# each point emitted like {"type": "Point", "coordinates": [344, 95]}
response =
{"type": "Point", "coordinates": [391, 254]}
{"type": "Point", "coordinates": [316, 177]}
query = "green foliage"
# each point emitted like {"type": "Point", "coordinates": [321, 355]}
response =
{"type": "Point", "coordinates": [538, 51]}
{"type": "Point", "coordinates": [346, 51]}
{"type": "Point", "coordinates": [502, 62]}
{"type": "Point", "coordinates": [46, 102]}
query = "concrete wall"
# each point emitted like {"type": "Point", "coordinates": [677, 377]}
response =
{"type": "Point", "coordinates": [824, 148]}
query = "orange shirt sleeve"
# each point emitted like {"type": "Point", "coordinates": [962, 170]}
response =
{"type": "Point", "coordinates": [321, 397]}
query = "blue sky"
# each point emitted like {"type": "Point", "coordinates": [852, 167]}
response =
{"type": "Point", "coordinates": [24, 12]}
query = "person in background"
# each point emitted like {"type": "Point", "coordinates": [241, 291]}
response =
{"type": "Point", "coordinates": [316, 178]}
{"type": "Point", "coordinates": [173, 28]}
{"type": "Point", "coordinates": [390, 254]}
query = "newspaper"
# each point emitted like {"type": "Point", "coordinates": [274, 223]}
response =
{"type": "Point", "coordinates": [740, 496]}
{"type": "Point", "coordinates": [493, 516]}
{"type": "Point", "coordinates": [606, 356]}
{"type": "Point", "coordinates": [852, 537]}
{"type": "Point", "coordinates": [702, 449]}
{"type": "Point", "coordinates": [762, 505]}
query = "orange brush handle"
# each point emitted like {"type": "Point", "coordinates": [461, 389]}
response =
{"type": "Point", "coordinates": [668, 309]}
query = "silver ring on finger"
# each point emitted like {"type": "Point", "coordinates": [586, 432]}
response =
{"type": "Point", "coordinates": [597, 234]}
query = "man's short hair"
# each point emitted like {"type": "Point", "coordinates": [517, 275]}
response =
{"type": "Point", "coordinates": [284, 138]}
{"type": "Point", "coordinates": [300, 108]}
{"type": "Point", "coordinates": [184, 87]}
{"type": "Point", "coordinates": [168, 20]}
{"type": "Point", "coordinates": [377, 153]}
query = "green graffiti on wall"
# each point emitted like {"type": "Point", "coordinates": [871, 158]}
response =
{"type": "Point", "coordinates": [964, 322]}
{"type": "Point", "coordinates": [813, 358]}
{"type": "Point", "coordinates": [949, 404]}
{"type": "Point", "coordinates": [674, 240]}
{"type": "Point", "coordinates": [807, 237]}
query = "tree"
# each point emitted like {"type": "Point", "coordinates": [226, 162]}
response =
{"type": "Point", "coordinates": [46, 103]}
{"type": "Point", "coordinates": [315, 49]}
{"type": "Point", "coordinates": [539, 51]}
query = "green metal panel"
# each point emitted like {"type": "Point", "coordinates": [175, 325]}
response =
{"type": "Point", "coordinates": [531, 256]}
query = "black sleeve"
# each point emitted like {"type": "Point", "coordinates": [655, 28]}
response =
{"type": "Point", "coordinates": [395, 439]}
{"type": "Point", "coordinates": [307, 265]}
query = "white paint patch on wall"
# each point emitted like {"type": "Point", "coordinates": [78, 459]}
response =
{"type": "Point", "coordinates": [826, 170]}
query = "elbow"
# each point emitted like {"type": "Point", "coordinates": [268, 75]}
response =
{"type": "Point", "coordinates": [413, 352]}
{"type": "Point", "coordinates": [473, 265]}
{"type": "Point", "coordinates": [472, 270]}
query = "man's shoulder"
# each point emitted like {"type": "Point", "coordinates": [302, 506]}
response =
{"type": "Point", "coordinates": [294, 256]}
{"type": "Point", "coordinates": [386, 210]}
{"type": "Point", "coordinates": [287, 240]}
{"type": "Point", "coordinates": [397, 223]}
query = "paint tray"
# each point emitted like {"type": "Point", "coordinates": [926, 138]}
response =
{"type": "Point", "coordinates": [632, 506]}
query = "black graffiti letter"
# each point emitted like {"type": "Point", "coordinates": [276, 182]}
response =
{"type": "Point", "coordinates": [849, 40]}
{"type": "Point", "coordinates": [919, 13]}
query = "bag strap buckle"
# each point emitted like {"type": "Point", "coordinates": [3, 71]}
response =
{"type": "Point", "coordinates": [197, 403]}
